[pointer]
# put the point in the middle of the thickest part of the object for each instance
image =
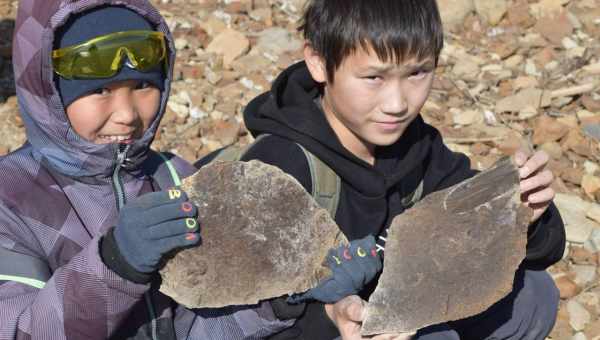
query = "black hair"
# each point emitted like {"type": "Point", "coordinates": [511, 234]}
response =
{"type": "Point", "coordinates": [395, 29]}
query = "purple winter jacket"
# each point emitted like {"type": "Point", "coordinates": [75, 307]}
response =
{"type": "Point", "coordinates": [59, 196]}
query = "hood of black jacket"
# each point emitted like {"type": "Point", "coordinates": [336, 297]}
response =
{"type": "Point", "coordinates": [289, 110]}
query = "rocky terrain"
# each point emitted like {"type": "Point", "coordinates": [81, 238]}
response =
{"type": "Point", "coordinates": [514, 73]}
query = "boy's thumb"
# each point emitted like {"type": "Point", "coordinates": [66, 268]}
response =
{"type": "Point", "coordinates": [354, 308]}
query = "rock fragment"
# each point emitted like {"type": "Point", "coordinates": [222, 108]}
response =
{"type": "Point", "coordinates": [452, 255]}
{"type": "Point", "coordinates": [263, 236]}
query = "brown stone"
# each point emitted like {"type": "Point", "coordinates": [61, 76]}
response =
{"type": "Point", "coordinates": [263, 236]}
{"type": "Point", "coordinates": [572, 175]}
{"type": "Point", "coordinates": [567, 287]}
{"type": "Point", "coordinates": [576, 141]}
{"type": "Point", "coordinates": [191, 72]}
{"type": "Point", "coordinates": [580, 255]}
{"type": "Point", "coordinates": [518, 14]}
{"type": "Point", "coordinates": [452, 255]}
{"type": "Point", "coordinates": [547, 129]}
{"type": "Point", "coordinates": [590, 103]}
{"type": "Point", "coordinates": [554, 28]}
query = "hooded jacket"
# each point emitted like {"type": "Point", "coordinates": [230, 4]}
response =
{"type": "Point", "coordinates": [371, 195]}
{"type": "Point", "coordinates": [59, 196]}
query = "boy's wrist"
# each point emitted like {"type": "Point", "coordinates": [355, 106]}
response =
{"type": "Point", "coordinates": [114, 260]}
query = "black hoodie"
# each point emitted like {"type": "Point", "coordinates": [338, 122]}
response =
{"type": "Point", "coordinates": [371, 195]}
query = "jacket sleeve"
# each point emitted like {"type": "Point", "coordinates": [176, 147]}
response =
{"type": "Point", "coordinates": [229, 323]}
{"type": "Point", "coordinates": [81, 299]}
{"type": "Point", "coordinates": [546, 236]}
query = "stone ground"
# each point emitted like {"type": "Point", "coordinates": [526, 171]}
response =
{"type": "Point", "coordinates": [528, 76]}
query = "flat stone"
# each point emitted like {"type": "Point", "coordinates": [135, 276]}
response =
{"type": "Point", "coordinates": [231, 44]}
{"type": "Point", "coordinates": [263, 236]}
{"type": "Point", "coordinates": [593, 212]}
{"type": "Point", "coordinates": [592, 130]}
{"type": "Point", "coordinates": [584, 274]}
{"type": "Point", "coordinates": [573, 211]}
{"type": "Point", "coordinates": [277, 40]}
{"type": "Point", "coordinates": [579, 317]}
{"type": "Point", "coordinates": [530, 97]}
{"type": "Point", "coordinates": [593, 242]}
{"type": "Point", "coordinates": [452, 255]}
{"type": "Point", "coordinates": [491, 10]}
{"type": "Point", "coordinates": [548, 129]}
{"type": "Point", "coordinates": [590, 185]}
{"type": "Point", "coordinates": [453, 12]}
{"type": "Point", "coordinates": [566, 287]}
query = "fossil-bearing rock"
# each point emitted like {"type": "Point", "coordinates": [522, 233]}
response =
{"type": "Point", "coordinates": [452, 255]}
{"type": "Point", "coordinates": [263, 236]}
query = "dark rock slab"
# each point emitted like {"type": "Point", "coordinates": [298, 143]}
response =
{"type": "Point", "coordinates": [263, 237]}
{"type": "Point", "coordinates": [452, 255]}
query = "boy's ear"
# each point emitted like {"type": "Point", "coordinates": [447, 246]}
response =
{"type": "Point", "coordinates": [315, 63]}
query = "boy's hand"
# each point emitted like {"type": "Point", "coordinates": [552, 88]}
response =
{"type": "Point", "coordinates": [536, 192]}
{"type": "Point", "coordinates": [352, 267]}
{"type": "Point", "coordinates": [348, 315]}
{"type": "Point", "coordinates": [154, 224]}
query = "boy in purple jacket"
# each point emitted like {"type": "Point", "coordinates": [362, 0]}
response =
{"type": "Point", "coordinates": [87, 210]}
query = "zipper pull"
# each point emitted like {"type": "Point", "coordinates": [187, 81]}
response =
{"type": "Point", "coordinates": [121, 155]}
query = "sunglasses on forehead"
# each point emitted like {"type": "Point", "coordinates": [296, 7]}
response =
{"type": "Point", "coordinates": [102, 57]}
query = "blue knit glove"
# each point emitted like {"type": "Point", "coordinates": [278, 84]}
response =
{"type": "Point", "coordinates": [353, 267]}
{"type": "Point", "coordinates": [154, 224]}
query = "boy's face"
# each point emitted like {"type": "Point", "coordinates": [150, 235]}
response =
{"type": "Point", "coordinates": [118, 113]}
{"type": "Point", "coordinates": [371, 102]}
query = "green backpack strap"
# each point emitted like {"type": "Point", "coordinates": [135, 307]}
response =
{"type": "Point", "coordinates": [326, 184]}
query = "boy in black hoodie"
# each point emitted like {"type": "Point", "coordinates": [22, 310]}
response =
{"type": "Point", "coordinates": [354, 102]}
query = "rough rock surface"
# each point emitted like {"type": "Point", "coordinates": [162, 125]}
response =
{"type": "Point", "coordinates": [263, 237]}
{"type": "Point", "coordinates": [452, 255]}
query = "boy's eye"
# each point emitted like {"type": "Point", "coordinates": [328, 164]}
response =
{"type": "Point", "coordinates": [373, 78]}
{"type": "Point", "coordinates": [101, 91]}
{"type": "Point", "coordinates": [143, 85]}
{"type": "Point", "coordinates": [419, 74]}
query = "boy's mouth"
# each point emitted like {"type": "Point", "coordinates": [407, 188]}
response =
{"type": "Point", "coordinates": [122, 139]}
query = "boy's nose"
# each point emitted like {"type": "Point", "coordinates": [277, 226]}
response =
{"type": "Point", "coordinates": [124, 111]}
{"type": "Point", "coordinates": [394, 103]}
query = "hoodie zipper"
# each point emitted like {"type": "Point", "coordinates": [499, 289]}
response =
{"type": "Point", "coordinates": [117, 183]}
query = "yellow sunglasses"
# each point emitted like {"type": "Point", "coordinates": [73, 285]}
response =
{"type": "Point", "coordinates": [102, 57]}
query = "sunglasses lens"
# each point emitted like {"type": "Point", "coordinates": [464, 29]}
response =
{"type": "Point", "coordinates": [102, 57]}
{"type": "Point", "coordinates": [95, 63]}
{"type": "Point", "coordinates": [147, 54]}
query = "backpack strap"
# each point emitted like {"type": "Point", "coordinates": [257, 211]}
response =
{"type": "Point", "coordinates": [23, 268]}
{"type": "Point", "coordinates": [326, 184]}
{"type": "Point", "coordinates": [414, 197]}
{"type": "Point", "coordinates": [161, 169]}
